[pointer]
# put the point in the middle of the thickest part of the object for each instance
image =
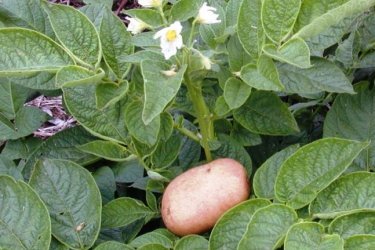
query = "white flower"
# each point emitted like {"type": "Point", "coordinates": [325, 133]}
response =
{"type": "Point", "coordinates": [170, 39]}
{"type": "Point", "coordinates": [135, 25]}
{"type": "Point", "coordinates": [206, 15]}
{"type": "Point", "coordinates": [206, 62]}
{"type": "Point", "coordinates": [150, 3]}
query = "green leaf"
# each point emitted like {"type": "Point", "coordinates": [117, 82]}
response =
{"type": "Point", "coordinates": [26, 14]}
{"type": "Point", "coordinates": [128, 171]}
{"type": "Point", "coordinates": [107, 3]}
{"type": "Point", "coordinates": [37, 80]}
{"type": "Point", "coordinates": [151, 238]}
{"type": "Point", "coordinates": [113, 245]}
{"type": "Point", "coordinates": [61, 146]}
{"type": "Point", "coordinates": [265, 113]}
{"type": "Point", "coordinates": [8, 167]}
{"type": "Point", "coordinates": [12, 99]}
{"type": "Point", "coordinates": [123, 211]}
{"type": "Point", "coordinates": [27, 120]}
{"type": "Point", "coordinates": [153, 247]}
{"type": "Point", "coordinates": [166, 152]}
{"type": "Point", "coordinates": [232, 11]}
{"type": "Point", "coordinates": [105, 180]}
{"type": "Point", "coordinates": [322, 76]}
{"type": "Point", "coordinates": [265, 176]}
{"type": "Point", "coordinates": [244, 136]}
{"type": "Point", "coordinates": [267, 227]}
{"type": "Point", "coordinates": [57, 245]}
{"type": "Point", "coordinates": [184, 9]}
{"type": "Point", "coordinates": [237, 56]}
{"type": "Point", "coordinates": [166, 126]}
{"type": "Point", "coordinates": [141, 55]}
{"type": "Point", "coordinates": [75, 32]}
{"type": "Point", "coordinates": [278, 18]}
{"type": "Point", "coordinates": [333, 17]}
{"type": "Point", "coordinates": [191, 242]}
{"type": "Point", "coordinates": [348, 50]}
{"type": "Point", "coordinates": [313, 167]}
{"type": "Point", "coordinates": [94, 12]}
{"type": "Point", "coordinates": [351, 117]}
{"type": "Point", "coordinates": [232, 149]}
{"type": "Point", "coordinates": [310, 235]}
{"type": "Point", "coordinates": [116, 43]}
{"type": "Point", "coordinates": [221, 106]}
{"type": "Point", "coordinates": [147, 134]}
{"type": "Point", "coordinates": [249, 27]}
{"type": "Point", "coordinates": [236, 92]}
{"type": "Point", "coordinates": [262, 76]}
{"type": "Point", "coordinates": [154, 81]}
{"type": "Point", "coordinates": [106, 123]}
{"type": "Point", "coordinates": [363, 242]}
{"type": "Point", "coordinates": [105, 149]}
{"type": "Point", "coordinates": [108, 93]}
{"type": "Point", "coordinates": [367, 61]}
{"type": "Point", "coordinates": [24, 220]}
{"type": "Point", "coordinates": [351, 224]}
{"type": "Point", "coordinates": [149, 16]}
{"type": "Point", "coordinates": [73, 75]}
{"type": "Point", "coordinates": [295, 52]}
{"type": "Point", "coordinates": [75, 208]}
{"type": "Point", "coordinates": [231, 227]}
{"type": "Point", "coordinates": [27, 51]}
{"type": "Point", "coordinates": [350, 192]}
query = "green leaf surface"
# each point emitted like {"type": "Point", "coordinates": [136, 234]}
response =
{"type": "Point", "coordinates": [94, 12]}
{"type": "Point", "coordinates": [263, 76]}
{"type": "Point", "coordinates": [61, 146]}
{"type": "Point", "coordinates": [265, 176]}
{"type": "Point", "coordinates": [108, 94]}
{"type": "Point", "coordinates": [278, 18]}
{"type": "Point", "coordinates": [116, 43]}
{"type": "Point", "coordinates": [105, 180]}
{"type": "Point", "coordinates": [231, 227]}
{"type": "Point", "coordinates": [151, 238]}
{"type": "Point", "coordinates": [249, 27]}
{"type": "Point", "coordinates": [26, 14]}
{"type": "Point", "coordinates": [141, 55]}
{"type": "Point", "coordinates": [73, 75]}
{"type": "Point", "coordinates": [166, 152]}
{"type": "Point", "coordinates": [311, 236]}
{"type": "Point", "coordinates": [354, 191]}
{"type": "Point", "coordinates": [107, 123]}
{"type": "Point", "coordinates": [244, 136]}
{"type": "Point", "coordinates": [294, 51]}
{"type": "Point", "coordinates": [153, 247]}
{"type": "Point", "coordinates": [184, 9]}
{"type": "Point", "coordinates": [323, 76]}
{"type": "Point", "coordinates": [221, 106]}
{"type": "Point", "coordinates": [159, 89]}
{"type": "Point", "coordinates": [12, 99]}
{"type": "Point", "coordinates": [149, 16]}
{"type": "Point", "coordinates": [75, 32]}
{"type": "Point", "coordinates": [75, 209]}
{"type": "Point", "coordinates": [123, 211]}
{"type": "Point", "coordinates": [23, 216]}
{"type": "Point", "coordinates": [8, 167]}
{"type": "Point", "coordinates": [351, 117]}
{"type": "Point", "coordinates": [105, 149]}
{"type": "Point", "coordinates": [237, 56]}
{"type": "Point", "coordinates": [265, 113]}
{"type": "Point", "coordinates": [191, 242]}
{"type": "Point", "coordinates": [43, 80]}
{"type": "Point", "coordinates": [232, 11]}
{"type": "Point", "coordinates": [128, 171]}
{"type": "Point", "coordinates": [367, 61]}
{"type": "Point", "coordinates": [27, 120]}
{"type": "Point", "coordinates": [236, 92]}
{"type": "Point", "coordinates": [26, 51]}
{"type": "Point", "coordinates": [147, 134]}
{"type": "Point", "coordinates": [334, 16]}
{"type": "Point", "coordinates": [107, 3]}
{"type": "Point", "coordinates": [363, 242]}
{"type": "Point", "coordinates": [267, 227]}
{"type": "Point", "coordinates": [166, 126]}
{"type": "Point", "coordinates": [113, 245]}
{"type": "Point", "coordinates": [351, 224]}
{"type": "Point", "coordinates": [212, 33]}
{"type": "Point", "coordinates": [57, 245]}
{"type": "Point", "coordinates": [313, 167]}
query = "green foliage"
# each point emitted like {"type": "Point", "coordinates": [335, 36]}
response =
{"type": "Point", "coordinates": [286, 88]}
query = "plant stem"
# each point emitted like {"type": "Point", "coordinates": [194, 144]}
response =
{"type": "Point", "coordinates": [203, 115]}
{"type": "Point", "coordinates": [162, 15]}
{"type": "Point", "coordinates": [187, 133]}
{"type": "Point", "coordinates": [190, 41]}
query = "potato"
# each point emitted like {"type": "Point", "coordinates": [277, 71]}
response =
{"type": "Point", "coordinates": [195, 200]}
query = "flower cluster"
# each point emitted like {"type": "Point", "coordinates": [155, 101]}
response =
{"type": "Point", "coordinates": [170, 37]}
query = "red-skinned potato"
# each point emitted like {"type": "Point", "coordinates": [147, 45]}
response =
{"type": "Point", "coordinates": [195, 200]}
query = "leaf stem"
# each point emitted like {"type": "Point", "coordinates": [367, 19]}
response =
{"type": "Point", "coordinates": [203, 115]}
{"type": "Point", "coordinates": [160, 9]}
{"type": "Point", "coordinates": [190, 41]}
{"type": "Point", "coordinates": [187, 133]}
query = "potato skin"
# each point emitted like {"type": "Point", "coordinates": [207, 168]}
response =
{"type": "Point", "coordinates": [195, 200]}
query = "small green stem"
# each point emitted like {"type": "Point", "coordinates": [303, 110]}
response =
{"type": "Point", "coordinates": [190, 41]}
{"type": "Point", "coordinates": [160, 9]}
{"type": "Point", "coordinates": [203, 115]}
{"type": "Point", "coordinates": [187, 133]}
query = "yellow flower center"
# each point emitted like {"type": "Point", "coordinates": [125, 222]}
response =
{"type": "Point", "coordinates": [171, 35]}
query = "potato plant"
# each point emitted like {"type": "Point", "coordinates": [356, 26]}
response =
{"type": "Point", "coordinates": [284, 87]}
